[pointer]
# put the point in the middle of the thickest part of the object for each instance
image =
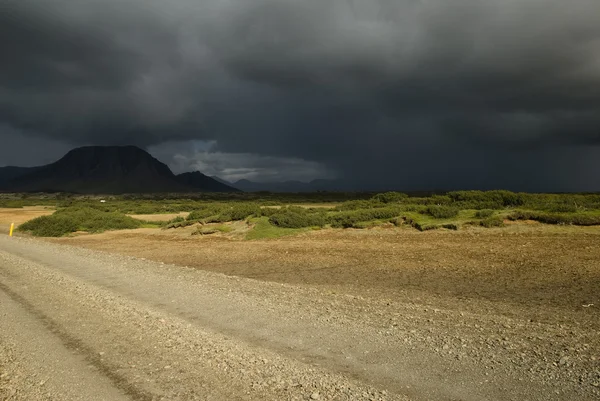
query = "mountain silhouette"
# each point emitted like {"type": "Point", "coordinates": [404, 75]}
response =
{"type": "Point", "coordinates": [106, 170]}
{"type": "Point", "coordinates": [198, 180]}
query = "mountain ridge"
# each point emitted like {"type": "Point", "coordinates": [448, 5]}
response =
{"type": "Point", "coordinates": [106, 170]}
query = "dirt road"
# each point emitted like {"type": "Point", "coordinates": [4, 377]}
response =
{"type": "Point", "coordinates": [79, 324]}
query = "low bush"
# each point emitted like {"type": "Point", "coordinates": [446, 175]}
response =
{"type": "Point", "coordinates": [577, 219]}
{"type": "Point", "coordinates": [420, 226]}
{"type": "Point", "coordinates": [350, 218]}
{"type": "Point", "coordinates": [442, 212]}
{"type": "Point", "coordinates": [50, 226]}
{"type": "Point", "coordinates": [298, 218]}
{"type": "Point", "coordinates": [239, 211]}
{"type": "Point", "coordinates": [69, 220]}
{"type": "Point", "coordinates": [450, 226]}
{"type": "Point", "coordinates": [390, 197]}
{"type": "Point", "coordinates": [179, 222]}
{"type": "Point", "coordinates": [492, 199]}
{"type": "Point", "coordinates": [484, 213]}
{"type": "Point", "coordinates": [205, 212]}
{"type": "Point", "coordinates": [493, 221]}
{"type": "Point", "coordinates": [562, 208]}
{"type": "Point", "coordinates": [358, 204]}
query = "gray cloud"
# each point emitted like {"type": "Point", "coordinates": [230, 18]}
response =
{"type": "Point", "coordinates": [400, 91]}
{"type": "Point", "coordinates": [202, 156]}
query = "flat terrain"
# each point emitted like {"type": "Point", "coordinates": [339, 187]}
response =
{"type": "Point", "coordinates": [21, 215]}
{"type": "Point", "coordinates": [533, 266]}
{"type": "Point", "coordinates": [158, 217]}
{"type": "Point", "coordinates": [382, 314]}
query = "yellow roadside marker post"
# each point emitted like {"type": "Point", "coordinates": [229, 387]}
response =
{"type": "Point", "coordinates": [12, 227]}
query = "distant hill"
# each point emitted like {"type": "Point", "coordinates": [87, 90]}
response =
{"type": "Point", "coordinates": [106, 170]}
{"type": "Point", "coordinates": [9, 173]}
{"type": "Point", "coordinates": [209, 184]}
{"type": "Point", "coordinates": [222, 181]}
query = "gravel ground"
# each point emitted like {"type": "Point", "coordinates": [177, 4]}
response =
{"type": "Point", "coordinates": [144, 330]}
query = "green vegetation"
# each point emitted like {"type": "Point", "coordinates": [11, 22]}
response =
{"type": "Point", "coordinates": [484, 213]}
{"type": "Point", "coordinates": [493, 221]}
{"type": "Point", "coordinates": [239, 211]}
{"type": "Point", "coordinates": [298, 217]}
{"type": "Point", "coordinates": [351, 219]}
{"type": "Point", "coordinates": [224, 229]}
{"type": "Point", "coordinates": [577, 219]}
{"type": "Point", "coordinates": [69, 220]}
{"type": "Point", "coordinates": [279, 214]}
{"type": "Point", "coordinates": [265, 230]}
{"type": "Point", "coordinates": [423, 221]}
{"type": "Point", "coordinates": [442, 212]}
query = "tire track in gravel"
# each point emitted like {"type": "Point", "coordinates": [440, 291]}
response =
{"type": "Point", "coordinates": [76, 345]}
{"type": "Point", "coordinates": [159, 356]}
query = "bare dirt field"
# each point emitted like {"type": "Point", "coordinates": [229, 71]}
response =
{"type": "Point", "coordinates": [535, 266]}
{"type": "Point", "coordinates": [21, 215]}
{"type": "Point", "coordinates": [158, 217]}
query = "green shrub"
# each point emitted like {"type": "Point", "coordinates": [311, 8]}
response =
{"type": "Point", "coordinates": [491, 199]}
{"type": "Point", "coordinates": [205, 212]}
{"type": "Point", "coordinates": [350, 218]}
{"type": "Point", "coordinates": [450, 226]}
{"type": "Point", "coordinates": [269, 211]}
{"type": "Point", "coordinates": [442, 212]}
{"type": "Point", "coordinates": [69, 220]}
{"type": "Point", "coordinates": [484, 213]}
{"type": "Point", "coordinates": [239, 211]}
{"type": "Point", "coordinates": [390, 197]}
{"type": "Point", "coordinates": [439, 200]}
{"type": "Point", "coordinates": [562, 208]}
{"type": "Point", "coordinates": [298, 218]}
{"type": "Point", "coordinates": [489, 222]}
{"type": "Point", "coordinates": [577, 219]}
{"type": "Point", "coordinates": [50, 226]}
{"type": "Point", "coordinates": [179, 222]}
{"type": "Point", "coordinates": [359, 204]}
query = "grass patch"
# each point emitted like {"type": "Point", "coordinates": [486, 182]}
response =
{"type": "Point", "coordinates": [263, 229]}
{"type": "Point", "coordinates": [492, 221]}
{"type": "Point", "coordinates": [484, 213]}
{"type": "Point", "coordinates": [442, 212]}
{"type": "Point", "coordinates": [298, 217]}
{"type": "Point", "coordinates": [351, 219]}
{"type": "Point", "coordinates": [224, 229]}
{"type": "Point", "coordinates": [425, 222]}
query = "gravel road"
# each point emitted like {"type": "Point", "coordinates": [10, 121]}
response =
{"type": "Point", "coordinates": [78, 324]}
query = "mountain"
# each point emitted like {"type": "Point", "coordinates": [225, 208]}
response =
{"type": "Point", "coordinates": [209, 184]}
{"type": "Point", "coordinates": [9, 173]}
{"type": "Point", "coordinates": [104, 170]}
{"type": "Point", "coordinates": [222, 181]}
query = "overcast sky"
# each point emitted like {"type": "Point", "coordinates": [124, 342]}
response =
{"type": "Point", "coordinates": [411, 94]}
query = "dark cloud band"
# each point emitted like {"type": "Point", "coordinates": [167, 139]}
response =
{"type": "Point", "coordinates": [332, 82]}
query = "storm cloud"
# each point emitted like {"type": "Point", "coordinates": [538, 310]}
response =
{"type": "Point", "coordinates": [404, 93]}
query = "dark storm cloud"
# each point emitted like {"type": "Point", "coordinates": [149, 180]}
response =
{"type": "Point", "coordinates": [370, 88]}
